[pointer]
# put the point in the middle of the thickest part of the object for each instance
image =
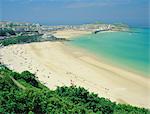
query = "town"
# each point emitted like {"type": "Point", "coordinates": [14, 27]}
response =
{"type": "Point", "coordinates": [28, 31]}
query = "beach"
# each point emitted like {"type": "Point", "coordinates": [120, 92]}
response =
{"type": "Point", "coordinates": [70, 33]}
{"type": "Point", "coordinates": [58, 64]}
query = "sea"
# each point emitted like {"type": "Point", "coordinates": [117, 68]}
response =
{"type": "Point", "coordinates": [128, 50]}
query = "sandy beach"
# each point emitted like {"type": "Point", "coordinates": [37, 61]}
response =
{"type": "Point", "coordinates": [70, 33]}
{"type": "Point", "coordinates": [58, 64]}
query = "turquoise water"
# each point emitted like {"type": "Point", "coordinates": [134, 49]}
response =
{"type": "Point", "coordinates": [128, 50]}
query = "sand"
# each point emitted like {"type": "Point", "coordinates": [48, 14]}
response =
{"type": "Point", "coordinates": [70, 33]}
{"type": "Point", "coordinates": [58, 64]}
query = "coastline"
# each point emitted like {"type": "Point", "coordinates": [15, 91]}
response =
{"type": "Point", "coordinates": [57, 64]}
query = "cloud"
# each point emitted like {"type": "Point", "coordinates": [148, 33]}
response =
{"type": "Point", "coordinates": [85, 4]}
{"type": "Point", "coordinates": [96, 3]}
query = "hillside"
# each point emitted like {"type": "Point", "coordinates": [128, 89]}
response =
{"type": "Point", "coordinates": [23, 93]}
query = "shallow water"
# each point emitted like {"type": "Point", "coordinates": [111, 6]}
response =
{"type": "Point", "coordinates": [128, 50]}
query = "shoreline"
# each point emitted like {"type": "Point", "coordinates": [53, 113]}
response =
{"type": "Point", "coordinates": [58, 64]}
{"type": "Point", "coordinates": [106, 61]}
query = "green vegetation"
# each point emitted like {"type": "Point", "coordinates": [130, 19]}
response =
{"type": "Point", "coordinates": [20, 40]}
{"type": "Point", "coordinates": [23, 93]}
{"type": "Point", "coordinates": [28, 39]}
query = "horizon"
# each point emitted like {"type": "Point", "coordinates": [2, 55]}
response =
{"type": "Point", "coordinates": [76, 12]}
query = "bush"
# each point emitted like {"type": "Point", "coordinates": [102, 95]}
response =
{"type": "Point", "coordinates": [20, 40]}
{"type": "Point", "coordinates": [63, 100]}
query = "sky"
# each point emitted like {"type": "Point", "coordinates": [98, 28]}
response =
{"type": "Point", "coordinates": [55, 12]}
